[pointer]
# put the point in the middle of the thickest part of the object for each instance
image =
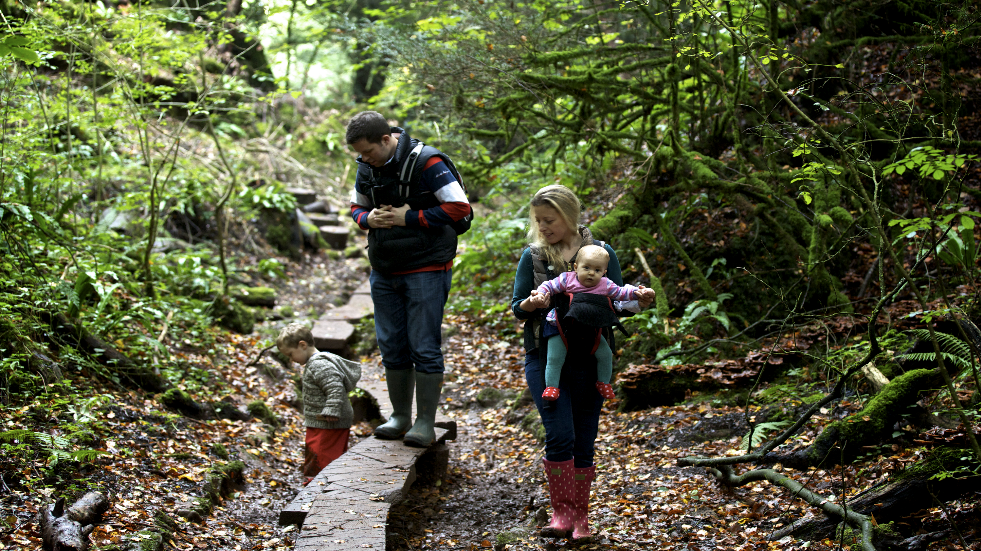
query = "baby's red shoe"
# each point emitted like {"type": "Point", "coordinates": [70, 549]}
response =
{"type": "Point", "coordinates": [605, 390]}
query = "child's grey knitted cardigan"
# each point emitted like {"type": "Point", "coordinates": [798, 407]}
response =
{"type": "Point", "coordinates": [327, 378]}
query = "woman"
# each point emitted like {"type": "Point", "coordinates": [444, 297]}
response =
{"type": "Point", "coordinates": [571, 422]}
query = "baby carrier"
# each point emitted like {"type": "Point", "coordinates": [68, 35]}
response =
{"type": "Point", "coordinates": [584, 315]}
{"type": "Point", "coordinates": [582, 319]}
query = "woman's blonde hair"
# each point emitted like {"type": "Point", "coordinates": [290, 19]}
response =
{"type": "Point", "coordinates": [565, 202]}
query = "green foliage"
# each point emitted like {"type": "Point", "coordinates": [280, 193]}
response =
{"type": "Point", "coordinates": [271, 268]}
{"type": "Point", "coordinates": [953, 350]}
{"type": "Point", "coordinates": [59, 448]}
{"type": "Point", "coordinates": [269, 196]}
{"type": "Point", "coordinates": [486, 265]}
{"type": "Point", "coordinates": [929, 162]}
{"type": "Point", "coordinates": [759, 432]}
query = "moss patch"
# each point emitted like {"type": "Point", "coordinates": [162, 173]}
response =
{"type": "Point", "coordinates": [176, 398]}
{"type": "Point", "coordinates": [875, 421]}
{"type": "Point", "coordinates": [233, 315]}
{"type": "Point", "coordinates": [255, 296]}
{"type": "Point", "coordinates": [259, 409]}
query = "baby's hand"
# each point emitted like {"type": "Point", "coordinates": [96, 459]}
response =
{"type": "Point", "coordinates": [538, 300]}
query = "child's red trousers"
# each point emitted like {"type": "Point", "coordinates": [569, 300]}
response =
{"type": "Point", "coordinates": [322, 447]}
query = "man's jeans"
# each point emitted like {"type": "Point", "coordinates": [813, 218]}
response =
{"type": "Point", "coordinates": [409, 317]}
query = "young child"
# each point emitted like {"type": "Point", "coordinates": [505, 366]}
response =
{"type": "Point", "coordinates": [588, 277]}
{"type": "Point", "coordinates": [327, 411]}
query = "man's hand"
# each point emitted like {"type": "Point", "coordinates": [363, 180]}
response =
{"type": "Point", "coordinates": [383, 217]}
{"type": "Point", "coordinates": [399, 214]}
{"type": "Point", "coordinates": [645, 296]}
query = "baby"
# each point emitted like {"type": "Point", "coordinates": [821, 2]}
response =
{"type": "Point", "coordinates": [588, 278]}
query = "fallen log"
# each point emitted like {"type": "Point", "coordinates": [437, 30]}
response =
{"type": "Point", "coordinates": [69, 530]}
{"type": "Point", "coordinates": [645, 386]}
{"type": "Point", "coordinates": [869, 426]}
{"type": "Point", "coordinates": [77, 336]}
{"type": "Point", "coordinates": [910, 491]}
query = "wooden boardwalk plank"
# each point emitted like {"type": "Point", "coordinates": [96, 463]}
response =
{"type": "Point", "coordinates": [346, 505]}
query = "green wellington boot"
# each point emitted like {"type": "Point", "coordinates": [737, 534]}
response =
{"type": "Point", "coordinates": [401, 387]}
{"type": "Point", "coordinates": [423, 432]}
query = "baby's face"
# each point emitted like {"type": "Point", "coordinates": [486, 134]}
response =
{"type": "Point", "coordinates": [590, 270]}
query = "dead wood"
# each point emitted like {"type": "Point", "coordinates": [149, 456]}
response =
{"type": "Point", "coordinates": [69, 530]}
{"type": "Point", "coordinates": [89, 508]}
{"type": "Point", "coordinates": [77, 336]}
{"type": "Point", "coordinates": [874, 423]}
{"type": "Point", "coordinates": [911, 491]}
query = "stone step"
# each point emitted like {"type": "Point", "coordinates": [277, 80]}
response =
{"type": "Point", "coordinates": [304, 196]}
{"type": "Point", "coordinates": [360, 306]}
{"type": "Point", "coordinates": [335, 236]}
{"type": "Point", "coordinates": [320, 206]}
{"type": "Point", "coordinates": [363, 289]}
{"type": "Point", "coordinates": [332, 335]}
{"type": "Point", "coordinates": [320, 219]}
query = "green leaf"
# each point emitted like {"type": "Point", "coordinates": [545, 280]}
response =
{"type": "Point", "coordinates": [806, 197]}
{"type": "Point", "coordinates": [24, 54]}
{"type": "Point", "coordinates": [938, 175]}
{"type": "Point", "coordinates": [967, 222]}
{"type": "Point", "coordinates": [900, 170]}
{"type": "Point", "coordinates": [16, 41]}
{"type": "Point", "coordinates": [4, 50]}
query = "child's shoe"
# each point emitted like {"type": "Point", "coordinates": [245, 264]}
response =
{"type": "Point", "coordinates": [551, 394]}
{"type": "Point", "coordinates": [605, 390]}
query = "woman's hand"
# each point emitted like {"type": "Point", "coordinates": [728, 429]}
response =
{"type": "Point", "coordinates": [535, 301]}
{"type": "Point", "coordinates": [645, 296]}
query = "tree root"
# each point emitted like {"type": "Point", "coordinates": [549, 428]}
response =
{"type": "Point", "coordinates": [858, 521]}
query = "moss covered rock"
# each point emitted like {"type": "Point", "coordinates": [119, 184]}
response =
{"type": "Point", "coordinates": [255, 296]}
{"type": "Point", "coordinates": [259, 409]}
{"type": "Point", "coordinates": [233, 315]}
{"type": "Point", "coordinates": [176, 398]}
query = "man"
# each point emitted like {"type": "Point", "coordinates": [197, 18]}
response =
{"type": "Point", "coordinates": [411, 245]}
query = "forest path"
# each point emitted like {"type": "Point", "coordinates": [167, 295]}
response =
{"type": "Point", "coordinates": [156, 460]}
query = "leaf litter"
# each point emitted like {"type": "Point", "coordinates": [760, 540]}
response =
{"type": "Point", "coordinates": [494, 495]}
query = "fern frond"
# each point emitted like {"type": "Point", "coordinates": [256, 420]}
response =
{"type": "Point", "coordinates": [759, 433]}
{"type": "Point", "coordinates": [958, 361]}
{"type": "Point", "coordinates": [85, 455]}
{"type": "Point", "coordinates": [948, 343]}
{"type": "Point", "coordinates": [50, 442]}
{"type": "Point", "coordinates": [17, 434]}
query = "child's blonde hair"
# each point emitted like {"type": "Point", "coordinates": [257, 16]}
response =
{"type": "Point", "coordinates": [291, 335]}
{"type": "Point", "coordinates": [565, 202]}
{"type": "Point", "coordinates": [595, 252]}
